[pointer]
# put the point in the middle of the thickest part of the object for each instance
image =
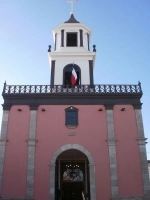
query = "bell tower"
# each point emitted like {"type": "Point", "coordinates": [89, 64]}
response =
{"type": "Point", "coordinates": [71, 51]}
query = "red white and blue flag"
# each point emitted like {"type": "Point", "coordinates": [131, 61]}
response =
{"type": "Point", "coordinates": [73, 77]}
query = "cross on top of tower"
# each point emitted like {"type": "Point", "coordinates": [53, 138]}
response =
{"type": "Point", "coordinates": [72, 2]}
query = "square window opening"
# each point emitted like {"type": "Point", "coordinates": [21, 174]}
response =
{"type": "Point", "coordinates": [71, 40]}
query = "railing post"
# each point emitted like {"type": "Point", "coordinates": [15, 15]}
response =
{"type": "Point", "coordinates": [115, 89]}
{"type": "Point", "coordinates": [9, 89]}
{"type": "Point", "coordinates": [130, 88]}
{"type": "Point", "coordinates": [89, 88]}
{"type": "Point", "coordinates": [110, 89]}
{"type": "Point", "coordinates": [99, 89]}
{"type": "Point", "coordinates": [30, 89]}
{"type": "Point", "coordinates": [120, 88]}
{"type": "Point", "coordinates": [14, 89]}
{"type": "Point", "coordinates": [125, 88]}
{"type": "Point", "coordinates": [19, 89]}
{"type": "Point", "coordinates": [104, 88]}
{"type": "Point", "coordinates": [35, 88]}
{"type": "Point", "coordinates": [139, 84]}
{"type": "Point", "coordinates": [83, 88]}
{"type": "Point", "coordinates": [4, 87]}
{"type": "Point", "coordinates": [25, 89]}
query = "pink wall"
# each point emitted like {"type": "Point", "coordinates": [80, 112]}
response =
{"type": "Point", "coordinates": [52, 133]}
{"type": "Point", "coordinates": [15, 167]}
{"type": "Point", "coordinates": [128, 158]}
{"type": "Point", "coordinates": [91, 133]}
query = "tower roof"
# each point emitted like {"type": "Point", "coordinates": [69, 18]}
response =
{"type": "Point", "coordinates": [72, 19]}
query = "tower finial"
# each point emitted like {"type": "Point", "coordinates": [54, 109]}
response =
{"type": "Point", "coordinates": [72, 2]}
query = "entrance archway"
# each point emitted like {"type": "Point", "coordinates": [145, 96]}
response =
{"type": "Point", "coordinates": [91, 169]}
{"type": "Point", "coordinates": [71, 175]}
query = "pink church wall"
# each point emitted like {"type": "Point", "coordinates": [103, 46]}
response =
{"type": "Point", "coordinates": [128, 158]}
{"type": "Point", "coordinates": [91, 133]}
{"type": "Point", "coordinates": [52, 134]}
{"type": "Point", "coordinates": [15, 165]}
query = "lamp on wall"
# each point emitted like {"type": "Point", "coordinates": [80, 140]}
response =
{"type": "Point", "coordinates": [122, 109]}
{"type": "Point", "coordinates": [43, 109]}
{"type": "Point", "coordinates": [100, 109]}
{"type": "Point", "coordinates": [19, 109]}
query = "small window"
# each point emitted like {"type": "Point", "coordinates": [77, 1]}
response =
{"type": "Point", "coordinates": [71, 117]}
{"type": "Point", "coordinates": [71, 40]}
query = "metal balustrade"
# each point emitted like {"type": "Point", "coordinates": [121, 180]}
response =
{"type": "Point", "coordinates": [80, 89]}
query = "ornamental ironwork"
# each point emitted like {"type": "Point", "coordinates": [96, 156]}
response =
{"type": "Point", "coordinates": [79, 89]}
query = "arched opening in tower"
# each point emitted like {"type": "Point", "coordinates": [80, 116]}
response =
{"type": "Point", "coordinates": [67, 79]}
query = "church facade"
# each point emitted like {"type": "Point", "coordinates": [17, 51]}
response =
{"type": "Point", "coordinates": [73, 140]}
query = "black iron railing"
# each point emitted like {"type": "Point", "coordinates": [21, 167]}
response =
{"type": "Point", "coordinates": [80, 89]}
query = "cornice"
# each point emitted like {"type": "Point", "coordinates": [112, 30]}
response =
{"type": "Point", "coordinates": [34, 100]}
{"type": "Point", "coordinates": [74, 52]}
{"type": "Point", "coordinates": [71, 25]}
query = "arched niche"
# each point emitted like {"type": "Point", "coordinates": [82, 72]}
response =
{"type": "Point", "coordinates": [67, 72]}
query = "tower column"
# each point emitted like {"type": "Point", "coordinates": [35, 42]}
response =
{"type": "Point", "coordinates": [88, 42]}
{"type": "Point", "coordinates": [31, 153]}
{"type": "Point", "coordinates": [52, 72]}
{"type": "Point", "coordinates": [111, 141]}
{"type": "Point", "coordinates": [3, 141]}
{"type": "Point", "coordinates": [91, 71]}
{"type": "Point", "coordinates": [142, 148]}
{"type": "Point", "coordinates": [81, 38]}
{"type": "Point", "coordinates": [62, 38]}
{"type": "Point", "coordinates": [55, 41]}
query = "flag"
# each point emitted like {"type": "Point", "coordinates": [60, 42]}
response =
{"type": "Point", "coordinates": [73, 77]}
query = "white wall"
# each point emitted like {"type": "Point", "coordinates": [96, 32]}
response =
{"type": "Point", "coordinates": [60, 64]}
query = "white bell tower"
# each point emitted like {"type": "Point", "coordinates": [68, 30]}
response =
{"type": "Point", "coordinates": [71, 50]}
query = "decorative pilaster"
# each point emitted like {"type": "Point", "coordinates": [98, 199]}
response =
{"type": "Point", "coordinates": [55, 41]}
{"type": "Point", "coordinates": [91, 71]}
{"type": "Point", "coordinates": [62, 38]}
{"type": "Point", "coordinates": [88, 41]}
{"type": "Point", "coordinates": [52, 72]}
{"type": "Point", "coordinates": [81, 38]}
{"type": "Point", "coordinates": [31, 154]}
{"type": "Point", "coordinates": [52, 182]}
{"type": "Point", "coordinates": [112, 152]}
{"type": "Point", "coordinates": [92, 181]}
{"type": "Point", "coordinates": [142, 148]}
{"type": "Point", "coordinates": [3, 141]}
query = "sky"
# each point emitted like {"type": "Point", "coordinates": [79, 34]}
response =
{"type": "Point", "coordinates": [120, 31]}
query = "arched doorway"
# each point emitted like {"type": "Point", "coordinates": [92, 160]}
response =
{"type": "Point", "coordinates": [71, 175]}
{"type": "Point", "coordinates": [69, 181]}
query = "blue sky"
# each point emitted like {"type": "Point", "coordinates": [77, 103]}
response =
{"type": "Point", "coordinates": [120, 30]}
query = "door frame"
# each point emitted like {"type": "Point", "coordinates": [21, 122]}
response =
{"type": "Point", "coordinates": [91, 169]}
